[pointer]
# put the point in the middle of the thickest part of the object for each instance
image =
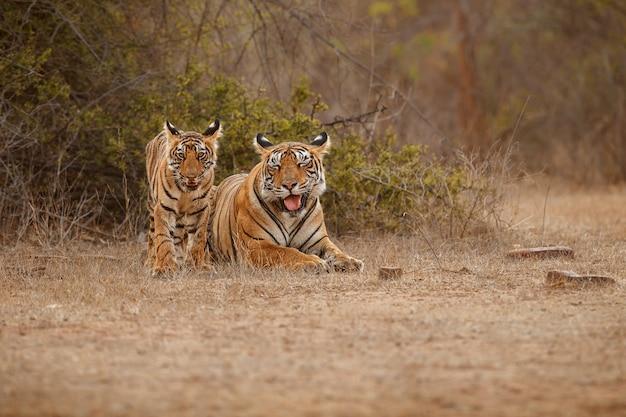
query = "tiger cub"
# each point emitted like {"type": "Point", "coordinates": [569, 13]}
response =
{"type": "Point", "coordinates": [180, 167]}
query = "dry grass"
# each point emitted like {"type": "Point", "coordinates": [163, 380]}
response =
{"type": "Point", "coordinates": [97, 336]}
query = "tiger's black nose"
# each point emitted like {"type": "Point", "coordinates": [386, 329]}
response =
{"type": "Point", "coordinates": [290, 185]}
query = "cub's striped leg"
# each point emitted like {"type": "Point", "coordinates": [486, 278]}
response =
{"type": "Point", "coordinates": [180, 240]}
{"type": "Point", "coordinates": [198, 240]}
{"type": "Point", "coordinates": [199, 251]}
{"type": "Point", "coordinates": [164, 249]}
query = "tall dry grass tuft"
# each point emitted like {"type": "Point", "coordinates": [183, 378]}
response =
{"type": "Point", "coordinates": [488, 179]}
{"type": "Point", "coordinates": [61, 211]}
{"type": "Point", "coordinates": [47, 214]}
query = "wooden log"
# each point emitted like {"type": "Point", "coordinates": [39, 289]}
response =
{"type": "Point", "coordinates": [562, 278]}
{"type": "Point", "coordinates": [389, 272]}
{"type": "Point", "coordinates": [542, 252]}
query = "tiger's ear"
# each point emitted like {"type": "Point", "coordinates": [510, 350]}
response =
{"type": "Point", "coordinates": [321, 144]}
{"type": "Point", "coordinates": [171, 132]}
{"type": "Point", "coordinates": [262, 144]}
{"type": "Point", "coordinates": [214, 128]}
{"type": "Point", "coordinates": [213, 133]}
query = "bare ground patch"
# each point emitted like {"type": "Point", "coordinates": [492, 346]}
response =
{"type": "Point", "coordinates": [83, 335]}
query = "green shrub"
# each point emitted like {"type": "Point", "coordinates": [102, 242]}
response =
{"type": "Point", "coordinates": [376, 189]}
{"type": "Point", "coordinates": [76, 116]}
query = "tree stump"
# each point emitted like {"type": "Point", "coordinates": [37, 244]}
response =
{"type": "Point", "coordinates": [389, 272]}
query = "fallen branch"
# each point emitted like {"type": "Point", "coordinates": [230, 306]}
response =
{"type": "Point", "coordinates": [49, 257]}
{"type": "Point", "coordinates": [96, 256]}
{"type": "Point", "coordinates": [565, 278]}
{"type": "Point", "coordinates": [87, 255]}
{"type": "Point", "coordinates": [543, 252]}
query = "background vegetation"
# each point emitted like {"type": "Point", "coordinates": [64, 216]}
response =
{"type": "Point", "coordinates": [86, 84]}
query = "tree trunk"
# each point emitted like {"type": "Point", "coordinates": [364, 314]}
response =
{"type": "Point", "coordinates": [470, 114]}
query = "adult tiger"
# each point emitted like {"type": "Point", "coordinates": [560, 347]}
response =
{"type": "Point", "coordinates": [273, 216]}
{"type": "Point", "coordinates": [180, 167]}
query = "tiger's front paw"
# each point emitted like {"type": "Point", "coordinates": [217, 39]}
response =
{"type": "Point", "coordinates": [346, 264]}
{"type": "Point", "coordinates": [315, 265]}
{"type": "Point", "coordinates": [200, 260]}
{"type": "Point", "coordinates": [164, 266]}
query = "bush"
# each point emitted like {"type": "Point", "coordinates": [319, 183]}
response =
{"type": "Point", "coordinates": [76, 117]}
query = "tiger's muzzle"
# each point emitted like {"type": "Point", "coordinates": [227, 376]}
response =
{"type": "Point", "coordinates": [192, 183]}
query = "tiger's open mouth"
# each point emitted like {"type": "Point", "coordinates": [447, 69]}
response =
{"type": "Point", "coordinates": [294, 203]}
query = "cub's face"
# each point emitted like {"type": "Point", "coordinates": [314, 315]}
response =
{"type": "Point", "coordinates": [192, 156]}
{"type": "Point", "coordinates": [292, 173]}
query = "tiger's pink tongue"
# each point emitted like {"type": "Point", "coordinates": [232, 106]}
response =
{"type": "Point", "coordinates": [293, 202]}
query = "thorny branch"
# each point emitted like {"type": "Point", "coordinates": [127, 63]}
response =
{"type": "Point", "coordinates": [359, 118]}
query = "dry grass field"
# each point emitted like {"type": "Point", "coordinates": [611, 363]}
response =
{"type": "Point", "coordinates": [85, 331]}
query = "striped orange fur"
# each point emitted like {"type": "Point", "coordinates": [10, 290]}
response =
{"type": "Point", "coordinates": [272, 217]}
{"type": "Point", "coordinates": [180, 167]}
